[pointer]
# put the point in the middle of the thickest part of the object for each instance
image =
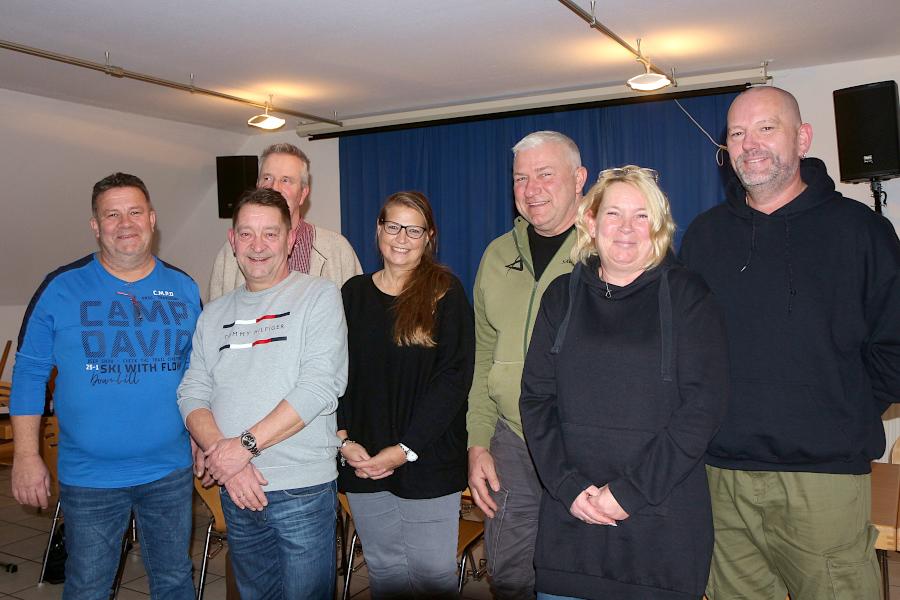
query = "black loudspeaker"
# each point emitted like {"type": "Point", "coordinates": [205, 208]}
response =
{"type": "Point", "coordinates": [868, 134]}
{"type": "Point", "coordinates": [235, 175]}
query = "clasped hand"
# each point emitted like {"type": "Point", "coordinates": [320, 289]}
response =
{"type": "Point", "coordinates": [217, 464]}
{"type": "Point", "coordinates": [225, 458]}
{"type": "Point", "coordinates": [373, 467]}
{"type": "Point", "coordinates": [597, 506]}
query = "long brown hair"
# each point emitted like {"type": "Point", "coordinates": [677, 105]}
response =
{"type": "Point", "coordinates": [414, 309]}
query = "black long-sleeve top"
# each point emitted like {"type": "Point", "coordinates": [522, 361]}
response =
{"type": "Point", "coordinates": [630, 397]}
{"type": "Point", "coordinates": [408, 394]}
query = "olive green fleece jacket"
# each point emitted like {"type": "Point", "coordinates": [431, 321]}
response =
{"type": "Point", "coordinates": [507, 299]}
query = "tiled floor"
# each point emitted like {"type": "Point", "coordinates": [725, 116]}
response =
{"type": "Point", "coordinates": [23, 539]}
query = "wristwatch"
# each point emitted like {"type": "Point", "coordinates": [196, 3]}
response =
{"type": "Point", "coordinates": [248, 441]}
{"type": "Point", "coordinates": [410, 455]}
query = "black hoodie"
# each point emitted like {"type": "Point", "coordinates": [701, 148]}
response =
{"type": "Point", "coordinates": [625, 386]}
{"type": "Point", "coordinates": [811, 296]}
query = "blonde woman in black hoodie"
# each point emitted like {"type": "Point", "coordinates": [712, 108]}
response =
{"type": "Point", "coordinates": [625, 383]}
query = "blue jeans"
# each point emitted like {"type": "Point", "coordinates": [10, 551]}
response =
{"type": "Point", "coordinates": [287, 550]}
{"type": "Point", "coordinates": [96, 520]}
{"type": "Point", "coordinates": [543, 596]}
{"type": "Point", "coordinates": [409, 545]}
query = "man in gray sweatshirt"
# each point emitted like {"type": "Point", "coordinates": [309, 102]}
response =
{"type": "Point", "coordinates": [269, 362]}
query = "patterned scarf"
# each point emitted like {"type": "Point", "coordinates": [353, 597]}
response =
{"type": "Point", "coordinates": [300, 253]}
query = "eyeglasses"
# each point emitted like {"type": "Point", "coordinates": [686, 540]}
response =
{"type": "Point", "coordinates": [392, 228]}
{"type": "Point", "coordinates": [622, 171]}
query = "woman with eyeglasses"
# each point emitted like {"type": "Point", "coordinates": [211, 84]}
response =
{"type": "Point", "coordinates": [403, 417]}
{"type": "Point", "coordinates": [625, 383]}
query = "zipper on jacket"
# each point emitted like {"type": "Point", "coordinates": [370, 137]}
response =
{"type": "Point", "coordinates": [525, 337]}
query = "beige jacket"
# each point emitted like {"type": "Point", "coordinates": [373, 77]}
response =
{"type": "Point", "coordinates": [332, 257]}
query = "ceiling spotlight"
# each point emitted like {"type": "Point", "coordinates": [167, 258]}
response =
{"type": "Point", "coordinates": [648, 81]}
{"type": "Point", "coordinates": [266, 121]}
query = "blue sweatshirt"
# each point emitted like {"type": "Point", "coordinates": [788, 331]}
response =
{"type": "Point", "coordinates": [120, 349]}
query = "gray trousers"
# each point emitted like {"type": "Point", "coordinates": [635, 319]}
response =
{"type": "Point", "coordinates": [511, 534]}
{"type": "Point", "coordinates": [409, 545]}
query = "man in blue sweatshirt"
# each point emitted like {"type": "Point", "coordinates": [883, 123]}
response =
{"type": "Point", "coordinates": [809, 282]}
{"type": "Point", "coordinates": [117, 326]}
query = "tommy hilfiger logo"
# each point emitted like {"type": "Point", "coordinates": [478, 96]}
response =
{"type": "Point", "coordinates": [252, 344]}
{"type": "Point", "coordinates": [271, 327]}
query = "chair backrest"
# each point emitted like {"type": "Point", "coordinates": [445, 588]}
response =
{"type": "Point", "coordinates": [213, 502]}
{"type": "Point", "coordinates": [6, 348]}
{"type": "Point", "coordinates": [345, 504]}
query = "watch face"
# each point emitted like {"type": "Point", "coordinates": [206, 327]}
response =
{"type": "Point", "coordinates": [411, 456]}
{"type": "Point", "coordinates": [248, 441]}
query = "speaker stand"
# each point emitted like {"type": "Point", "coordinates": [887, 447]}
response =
{"type": "Point", "coordinates": [878, 194]}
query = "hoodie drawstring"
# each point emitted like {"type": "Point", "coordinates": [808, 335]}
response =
{"type": "Point", "coordinates": [573, 291]}
{"type": "Point", "coordinates": [665, 326]}
{"type": "Point", "coordinates": [790, 267]}
{"type": "Point", "coordinates": [752, 242]}
{"type": "Point", "coordinates": [787, 257]}
{"type": "Point", "coordinates": [665, 320]}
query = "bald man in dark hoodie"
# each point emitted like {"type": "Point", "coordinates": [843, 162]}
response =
{"type": "Point", "coordinates": [809, 282]}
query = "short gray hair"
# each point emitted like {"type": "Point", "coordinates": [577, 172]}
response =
{"type": "Point", "coordinates": [532, 140]}
{"type": "Point", "coordinates": [292, 150]}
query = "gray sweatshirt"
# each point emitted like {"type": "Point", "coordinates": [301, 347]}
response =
{"type": "Point", "coordinates": [253, 349]}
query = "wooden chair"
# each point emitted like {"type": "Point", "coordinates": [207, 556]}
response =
{"type": "Point", "coordinates": [5, 391]}
{"type": "Point", "coordinates": [6, 348]}
{"type": "Point", "coordinates": [470, 533]}
{"type": "Point", "coordinates": [885, 514]}
{"type": "Point", "coordinates": [895, 453]}
{"type": "Point", "coordinates": [217, 527]}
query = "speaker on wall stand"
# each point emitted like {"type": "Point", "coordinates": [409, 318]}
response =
{"type": "Point", "coordinates": [867, 120]}
{"type": "Point", "coordinates": [234, 176]}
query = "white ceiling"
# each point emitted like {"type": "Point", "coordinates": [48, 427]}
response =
{"type": "Point", "coordinates": [357, 58]}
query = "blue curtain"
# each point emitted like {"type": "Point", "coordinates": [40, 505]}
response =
{"type": "Point", "coordinates": [465, 169]}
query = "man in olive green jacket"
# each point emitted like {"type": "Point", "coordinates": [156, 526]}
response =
{"type": "Point", "coordinates": [514, 272]}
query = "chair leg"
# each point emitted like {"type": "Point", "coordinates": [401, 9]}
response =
{"type": "Point", "coordinates": [885, 579]}
{"type": "Point", "coordinates": [123, 555]}
{"type": "Point", "coordinates": [462, 573]}
{"type": "Point", "coordinates": [53, 525]}
{"type": "Point", "coordinates": [342, 538]}
{"type": "Point", "coordinates": [205, 564]}
{"type": "Point", "coordinates": [348, 574]}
